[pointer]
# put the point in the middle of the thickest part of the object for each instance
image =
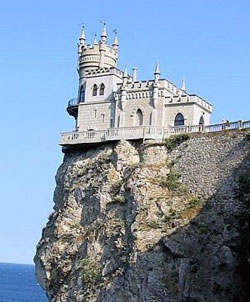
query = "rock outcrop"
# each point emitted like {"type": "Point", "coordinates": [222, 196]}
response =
{"type": "Point", "coordinates": [145, 222]}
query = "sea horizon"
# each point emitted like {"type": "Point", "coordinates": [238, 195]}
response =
{"type": "Point", "coordinates": [18, 283]}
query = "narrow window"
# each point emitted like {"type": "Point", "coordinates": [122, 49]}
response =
{"type": "Point", "coordinates": [95, 113]}
{"type": "Point", "coordinates": [95, 88]}
{"type": "Point", "coordinates": [151, 119]}
{"type": "Point", "coordinates": [103, 117]}
{"type": "Point", "coordinates": [139, 118]}
{"type": "Point", "coordinates": [179, 120]}
{"type": "Point", "coordinates": [81, 95]}
{"type": "Point", "coordinates": [102, 88]}
{"type": "Point", "coordinates": [201, 122]}
{"type": "Point", "coordinates": [111, 123]}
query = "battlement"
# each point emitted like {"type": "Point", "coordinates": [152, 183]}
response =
{"type": "Point", "coordinates": [103, 71]}
{"type": "Point", "coordinates": [149, 84]}
{"type": "Point", "coordinates": [189, 98]}
{"type": "Point", "coordinates": [97, 54]}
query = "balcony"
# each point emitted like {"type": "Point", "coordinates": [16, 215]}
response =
{"type": "Point", "coordinates": [72, 107]}
{"type": "Point", "coordinates": [143, 132]}
{"type": "Point", "coordinates": [111, 134]}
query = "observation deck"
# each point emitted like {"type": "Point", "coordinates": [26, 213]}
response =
{"type": "Point", "coordinates": [143, 132]}
{"type": "Point", "coordinates": [72, 107]}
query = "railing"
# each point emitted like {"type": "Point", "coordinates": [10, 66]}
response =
{"type": "Point", "coordinates": [143, 132]}
{"type": "Point", "coordinates": [111, 134]}
{"type": "Point", "coordinates": [73, 102]}
{"type": "Point", "coordinates": [210, 128]}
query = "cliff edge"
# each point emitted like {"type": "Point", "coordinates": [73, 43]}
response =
{"type": "Point", "coordinates": [151, 222]}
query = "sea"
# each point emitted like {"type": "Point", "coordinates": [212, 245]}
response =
{"type": "Point", "coordinates": [18, 284]}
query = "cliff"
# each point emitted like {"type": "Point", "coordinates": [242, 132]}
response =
{"type": "Point", "coordinates": [151, 222]}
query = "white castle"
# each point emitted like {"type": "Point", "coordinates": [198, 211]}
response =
{"type": "Point", "coordinates": [113, 105]}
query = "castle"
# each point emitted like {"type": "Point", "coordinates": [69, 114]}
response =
{"type": "Point", "coordinates": [113, 105]}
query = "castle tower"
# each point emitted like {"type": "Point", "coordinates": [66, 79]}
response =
{"type": "Point", "coordinates": [96, 55]}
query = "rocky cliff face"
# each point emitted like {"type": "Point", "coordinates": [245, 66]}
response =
{"type": "Point", "coordinates": [150, 223]}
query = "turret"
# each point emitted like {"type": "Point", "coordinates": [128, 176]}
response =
{"type": "Point", "coordinates": [157, 72]}
{"type": "Point", "coordinates": [125, 77]}
{"type": "Point", "coordinates": [95, 40]}
{"type": "Point", "coordinates": [183, 85]}
{"type": "Point", "coordinates": [115, 42]}
{"type": "Point", "coordinates": [82, 37]}
{"type": "Point", "coordinates": [155, 88]}
{"type": "Point", "coordinates": [98, 54]}
{"type": "Point", "coordinates": [134, 74]}
{"type": "Point", "coordinates": [104, 34]}
{"type": "Point", "coordinates": [81, 41]}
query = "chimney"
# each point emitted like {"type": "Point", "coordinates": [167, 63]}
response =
{"type": "Point", "coordinates": [134, 74]}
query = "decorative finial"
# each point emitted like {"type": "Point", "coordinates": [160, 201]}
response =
{"type": "Point", "coordinates": [157, 72]}
{"type": "Point", "coordinates": [125, 72]}
{"type": "Point", "coordinates": [104, 32]}
{"type": "Point", "coordinates": [157, 68]}
{"type": "Point", "coordinates": [115, 42]}
{"type": "Point", "coordinates": [125, 76]}
{"type": "Point", "coordinates": [82, 36]}
{"type": "Point", "coordinates": [95, 40]}
{"type": "Point", "coordinates": [183, 85]}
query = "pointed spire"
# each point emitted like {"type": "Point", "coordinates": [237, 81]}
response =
{"type": "Point", "coordinates": [157, 68]}
{"type": "Point", "coordinates": [95, 40]}
{"type": "Point", "coordinates": [125, 77]}
{"type": "Point", "coordinates": [125, 72]}
{"type": "Point", "coordinates": [104, 33]}
{"type": "Point", "coordinates": [82, 37]}
{"type": "Point", "coordinates": [183, 85]}
{"type": "Point", "coordinates": [157, 72]}
{"type": "Point", "coordinates": [115, 42]}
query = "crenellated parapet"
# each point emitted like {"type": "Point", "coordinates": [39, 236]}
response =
{"type": "Point", "coordinates": [98, 54]}
{"type": "Point", "coordinates": [189, 99]}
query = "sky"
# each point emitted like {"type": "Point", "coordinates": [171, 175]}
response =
{"type": "Point", "coordinates": [207, 42]}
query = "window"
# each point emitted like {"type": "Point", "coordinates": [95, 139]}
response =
{"type": "Point", "coordinates": [139, 118]}
{"type": "Point", "coordinates": [112, 123]}
{"type": "Point", "coordinates": [102, 88]}
{"type": "Point", "coordinates": [151, 119]}
{"type": "Point", "coordinates": [103, 117]}
{"type": "Point", "coordinates": [95, 88]}
{"type": "Point", "coordinates": [179, 120]}
{"type": "Point", "coordinates": [81, 95]}
{"type": "Point", "coordinates": [201, 122]}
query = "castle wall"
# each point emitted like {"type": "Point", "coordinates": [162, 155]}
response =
{"type": "Point", "coordinates": [187, 110]}
{"type": "Point", "coordinates": [95, 116]}
{"type": "Point", "coordinates": [110, 86]}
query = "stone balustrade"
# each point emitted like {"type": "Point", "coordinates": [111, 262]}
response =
{"type": "Point", "coordinates": [143, 132]}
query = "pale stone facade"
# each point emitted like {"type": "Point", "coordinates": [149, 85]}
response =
{"type": "Point", "coordinates": [110, 98]}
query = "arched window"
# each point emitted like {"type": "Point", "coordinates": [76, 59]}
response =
{"type": "Point", "coordinates": [139, 118]}
{"type": "Point", "coordinates": [95, 88]}
{"type": "Point", "coordinates": [82, 95]}
{"type": "Point", "coordinates": [201, 122]}
{"type": "Point", "coordinates": [102, 88]}
{"type": "Point", "coordinates": [179, 120]}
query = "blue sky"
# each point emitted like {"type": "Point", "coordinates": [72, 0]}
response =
{"type": "Point", "coordinates": [205, 41]}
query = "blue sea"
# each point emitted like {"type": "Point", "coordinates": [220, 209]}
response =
{"type": "Point", "coordinates": [18, 284]}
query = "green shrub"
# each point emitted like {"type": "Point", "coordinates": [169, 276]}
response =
{"type": "Point", "coordinates": [176, 140]}
{"type": "Point", "coordinates": [193, 202]}
{"type": "Point", "coordinates": [172, 181]}
{"type": "Point", "coordinates": [119, 198]}
{"type": "Point", "coordinates": [90, 271]}
{"type": "Point", "coordinates": [116, 187]}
